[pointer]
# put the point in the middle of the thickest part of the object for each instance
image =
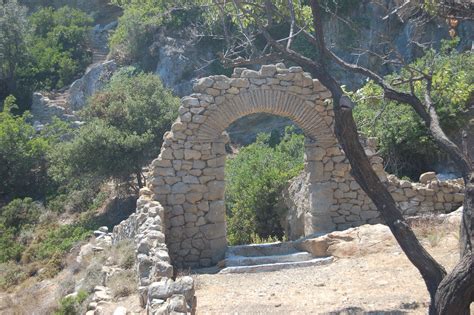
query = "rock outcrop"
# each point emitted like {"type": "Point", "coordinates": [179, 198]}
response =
{"type": "Point", "coordinates": [296, 199]}
{"type": "Point", "coordinates": [92, 81]}
{"type": "Point", "coordinates": [365, 239]}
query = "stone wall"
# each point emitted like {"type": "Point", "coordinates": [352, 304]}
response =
{"type": "Point", "coordinates": [427, 196]}
{"type": "Point", "coordinates": [353, 208]}
{"type": "Point", "coordinates": [159, 293]}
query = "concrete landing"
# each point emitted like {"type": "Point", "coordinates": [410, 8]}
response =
{"type": "Point", "coordinates": [268, 257]}
{"type": "Point", "coordinates": [277, 266]}
{"type": "Point", "coordinates": [272, 259]}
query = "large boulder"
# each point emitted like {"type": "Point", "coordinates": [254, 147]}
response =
{"type": "Point", "coordinates": [363, 240]}
{"type": "Point", "coordinates": [94, 79]}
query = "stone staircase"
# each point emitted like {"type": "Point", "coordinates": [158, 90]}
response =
{"type": "Point", "coordinates": [268, 257]}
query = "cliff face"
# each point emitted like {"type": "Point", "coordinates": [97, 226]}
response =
{"type": "Point", "coordinates": [182, 58]}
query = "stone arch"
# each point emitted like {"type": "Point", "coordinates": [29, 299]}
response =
{"type": "Point", "coordinates": [187, 178]}
{"type": "Point", "coordinates": [276, 102]}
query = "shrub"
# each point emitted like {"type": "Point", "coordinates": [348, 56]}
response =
{"type": "Point", "coordinates": [22, 157]}
{"type": "Point", "coordinates": [53, 241]}
{"type": "Point", "coordinates": [126, 123]}
{"type": "Point", "coordinates": [58, 46]}
{"type": "Point", "coordinates": [92, 277]}
{"type": "Point", "coordinates": [20, 212]}
{"type": "Point", "coordinates": [72, 305]}
{"type": "Point", "coordinates": [122, 283]}
{"type": "Point", "coordinates": [11, 274]}
{"type": "Point", "coordinates": [255, 179]}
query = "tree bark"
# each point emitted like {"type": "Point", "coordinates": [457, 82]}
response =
{"type": "Point", "coordinates": [456, 291]}
{"type": "Point", "coordinates": [347, 135]}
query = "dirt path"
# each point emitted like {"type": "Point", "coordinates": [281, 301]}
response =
{"type": "Point", "coordinates": [380, 283]}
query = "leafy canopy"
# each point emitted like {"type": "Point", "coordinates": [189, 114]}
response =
{"type": "Point", "coordinates": [255, 179]}
{"type": "Point", "coordinates": [22, 155]}
{"type": "Point", "coordinates": [404, 141]}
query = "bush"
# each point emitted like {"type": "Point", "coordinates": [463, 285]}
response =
{"type": "Point", "coordinates": [122, 283]}
{"type": "Point", "coordinates": [20, 212]}
{"type": "Point", "coordinates": [22, 157]}
{"type": "Point", "coordinates": [93, 276]}
{"type": "Point", "coordinates": [10, 249]}
{"type": "Point", "coordinates": [72, 305]}
{"type": "Point", "coordinates": [126, 123]}
{"type": "Point", "coordinates": [57, 46]}
{"type": "Point", "coordinates": [255, 179]}
{"type": "Point", "coordinates": [54, 241]}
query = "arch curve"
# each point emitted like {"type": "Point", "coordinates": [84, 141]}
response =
{"type": "Point", "coordinates": [276, 102]}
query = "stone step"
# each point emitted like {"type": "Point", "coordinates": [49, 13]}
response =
{"type": "Point", "coordinates": [278, 266]}
{"type": "Point", "coordinates": [261, 260]}
{"type": "Point", "coordinates": [256, 250]}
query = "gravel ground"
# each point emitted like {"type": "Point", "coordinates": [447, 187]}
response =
{"type": "Point", "coordinates": [384, 282]}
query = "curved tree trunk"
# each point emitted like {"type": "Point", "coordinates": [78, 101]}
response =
{"type": "Point", "coordinates": [456, 291]}
{"type": "Point", "coordinates": [346, 132]}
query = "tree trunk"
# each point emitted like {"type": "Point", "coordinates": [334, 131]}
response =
{"type": "Point", "coordinates": [347, 135]}
{"type": "Point", "coordinates": [456, 291]}
{"type": "Point", "coordinates": [139, 179]}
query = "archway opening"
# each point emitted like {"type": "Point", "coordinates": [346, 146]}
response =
{"type": "Point", "coordinates": [265, 151]}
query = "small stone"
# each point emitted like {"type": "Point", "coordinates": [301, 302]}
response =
{"type": "Point", "coordinates": [202, 84]}
{"type": "Point", "coordinates": [120, 311]}
{"type": "Point", "coordinates": [427, 177]}
{"type": "Point", "coordinates": [104, 229]}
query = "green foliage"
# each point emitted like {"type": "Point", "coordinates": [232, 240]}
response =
{"type": "Point", "coordinates": [404, 141]}
{"type": "Point", "coordinates": [22, 157]}
{"type": "Point", "coordinates": [19, 213]}
{"type": "Point", "coordinates": [58, 46]}
{"type": "Point", "coordinates": [10, 249]}
{"type": "Point", "coordinates": [9, 104]}
{"type": "Point", "coordinates": [134, 33]}
{"type": "Point", "coordinates": [47, 50]}
{"type": "Point", "coordinates": [72, 305]}
{"type": "Point", "coordinates": [255, 179]}
{"type": "Point", "coordinates": [55, 241]}
{"type": "Point", "coordinates": [126, 123]}
{"type": "Point", "coordinates": [13, 30]}
{"type": "Point", "coordinates": [141, 19]}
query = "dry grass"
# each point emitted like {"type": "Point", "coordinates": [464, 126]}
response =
{"type": "Point", "coordinates": [432, 231]}
{"type": "Point", "coordinates": [122, 283]}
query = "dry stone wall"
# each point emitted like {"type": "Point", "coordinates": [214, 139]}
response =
{"type": "Point", "coordinates": [354, 208]}
{"type": "Point", "coordinates": [430, 195]}
{"type": "Point", "coordinates": [159, 292]}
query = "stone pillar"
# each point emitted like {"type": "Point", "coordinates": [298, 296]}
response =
{"type": "Point", "coordinates": [321, 198]}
